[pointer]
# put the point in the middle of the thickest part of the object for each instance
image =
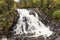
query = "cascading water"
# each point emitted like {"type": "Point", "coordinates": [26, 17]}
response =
{"type": "Point", "coordinates": [28, 23]}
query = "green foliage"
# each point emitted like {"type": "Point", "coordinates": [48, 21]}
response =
{"type": "Point", "coordinates": [3, 8]}
{"type": "Point", "coordinates": [56, 15]}
{"type": "Point", "coordinates": [6, 19]}
{"type": "Point", "coordinates": [49, 6]}
{"type": "Point", "coordinates": [7, 14]}
{"type": "Point", "coordinates": [9, 3]}
{"type": "Point", "coordinates": [6, 4]}
{"type": "Point", "coordinates": [28, 3]}
{"type": "Point", "coordinates": [57, 6]}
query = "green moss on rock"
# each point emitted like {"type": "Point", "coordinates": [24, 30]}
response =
{"type": "Point", "coordinates": [56, 15]}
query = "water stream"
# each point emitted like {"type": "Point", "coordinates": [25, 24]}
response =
{"type": "Point", "coordinates": [28, 23]}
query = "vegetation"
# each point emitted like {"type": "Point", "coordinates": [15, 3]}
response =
{"type": "Point", "coordinates": [28, 3]}
{"type": "Point", "coordinates": [7, 15]}
{"type": "Point", "coordinates": [56, 15]}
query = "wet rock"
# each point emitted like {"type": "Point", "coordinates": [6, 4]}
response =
{"type": "Point", "coordinates": [58, 38]}
{"type": "Point", "coordinates": [43, 17]}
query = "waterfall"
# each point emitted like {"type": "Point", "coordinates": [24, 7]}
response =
{"type": "Point", "coordinates": [28, 23]}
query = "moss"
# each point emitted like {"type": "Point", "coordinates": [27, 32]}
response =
{"type": "Point", "coordinates": [56, 15]}
{"type": "Point", "coordinates": [6, 20]}
{"type": "Point", "coordinates": [7, 15]}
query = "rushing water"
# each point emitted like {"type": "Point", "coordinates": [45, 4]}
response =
{"type": "Point", "coordinates": [29, 24]}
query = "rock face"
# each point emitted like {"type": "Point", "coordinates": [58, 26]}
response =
{"type": "Point", "coordinates": [43, 17]}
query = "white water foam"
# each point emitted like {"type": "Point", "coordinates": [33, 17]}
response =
{"type": "Point", "coordinates": [17, 0]}
{"type": "Point", "coordinates": [28, 23]}
{"type": "Point", "coordinates": [4, 38]}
